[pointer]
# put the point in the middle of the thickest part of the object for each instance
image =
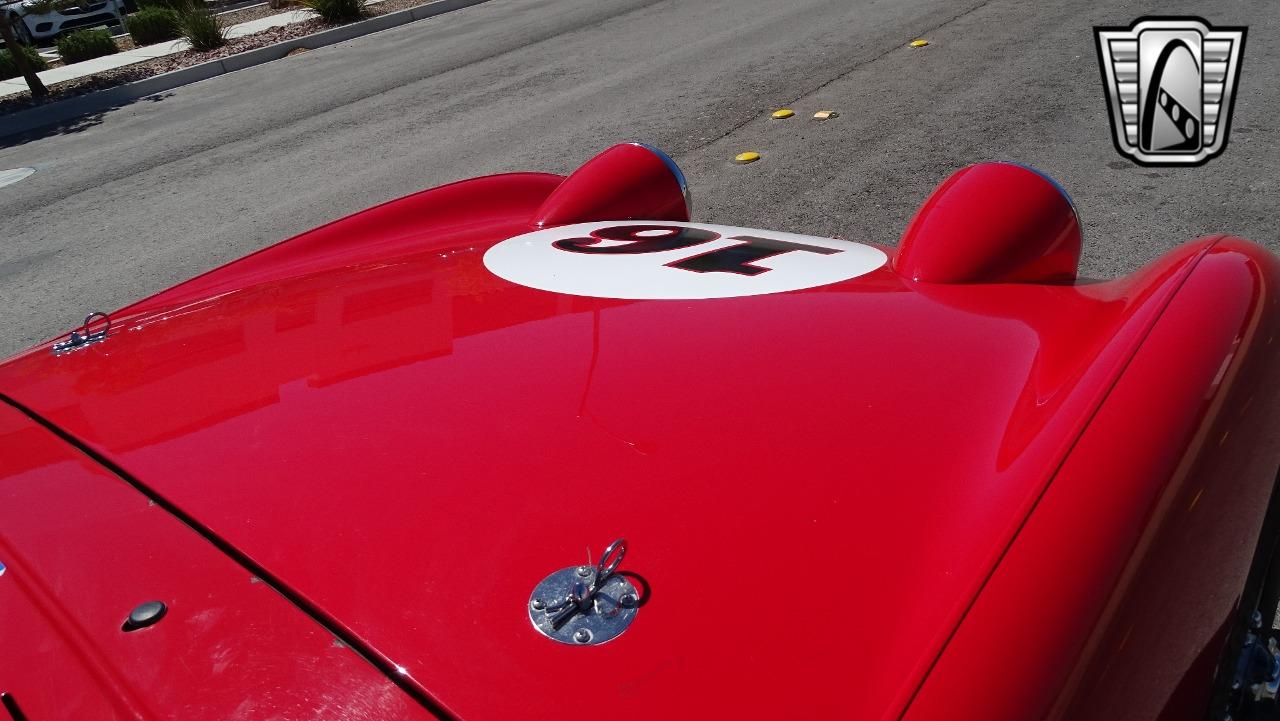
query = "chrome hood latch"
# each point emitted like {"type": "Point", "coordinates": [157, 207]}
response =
{"type": "Point", "coordinates": [585, 605]}
{"type": "Point", "coordinates": [83, 336]}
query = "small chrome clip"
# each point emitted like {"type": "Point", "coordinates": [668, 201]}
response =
{"type": "Point", "coordinates": [82, 336]}
{"type": "Point", "coordinates": [585, 605]}
{"type": "Point", "coordinates": [581, 598]}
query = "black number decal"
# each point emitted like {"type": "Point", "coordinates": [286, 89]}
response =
{"type": "Point", "coordinates": [735, 259]}
{"type": "Point", "coordinates": [664, 237]}
{"type": "Point", "coordinates": [738, 258]}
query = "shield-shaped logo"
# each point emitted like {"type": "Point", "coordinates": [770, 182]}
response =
{"type": "Point", "coordinates": [1170, 85]}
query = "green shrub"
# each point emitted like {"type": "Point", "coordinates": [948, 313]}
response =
{"type": "Point", "coordinates": [154, 25]}
{"type": "Point", "coordinates": [337, 11]}
{"type": "Point", "coordinates": [203, 30]}
{"type": "Point", "coordinates": [9, 69]}
{"type": "Point", "coordinates": [84, 45]}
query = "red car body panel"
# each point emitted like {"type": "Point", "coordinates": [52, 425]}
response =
{"type": "Point", "coordinates": [81, 549]}
{"type": "Point", "coordinates": [1119, 588]}
{"type": "Point", "coordinates": [850, 501]}
{"type": "Point", "coordinates": [975, 214]}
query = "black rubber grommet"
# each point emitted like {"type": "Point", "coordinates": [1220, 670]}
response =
{"type": "Point", "coordinates": [144, 615]}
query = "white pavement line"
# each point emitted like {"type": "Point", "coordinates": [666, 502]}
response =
{"type": "Point", "coordinates": [9, 177]}
{"type": "Point", "coordinates": [63, 110]}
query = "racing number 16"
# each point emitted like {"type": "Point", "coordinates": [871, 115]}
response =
{"type": "Point", "coordinates": [735, 259]}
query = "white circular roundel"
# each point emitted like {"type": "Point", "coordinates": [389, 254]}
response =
{"type": "Point", "coordinates": [643, 259]}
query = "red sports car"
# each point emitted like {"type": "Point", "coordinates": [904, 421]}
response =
{"type": "Point", "coordinates": [537, 447]}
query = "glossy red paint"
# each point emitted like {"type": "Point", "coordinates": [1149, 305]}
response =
{"type": "Point", "coordinates": [625, 182]}
{"type": "Point", "coordinates": [468, 210]}
{"type": "Point", "coordinates": [81, 549]}
{"type": "Point", "coordinates": [992, 223]}
{"type": "Point", "coordinates": [829, 492]}
{"type": "Point", "coordinates": [1124, 577]}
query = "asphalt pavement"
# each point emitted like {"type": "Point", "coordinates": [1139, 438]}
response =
{"type": "Point", "coordinates": [133, 200]}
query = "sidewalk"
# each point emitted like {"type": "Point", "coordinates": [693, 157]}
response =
{"type": "Point", "coordinates": [137, 55]}
{"type": "Point", "coordinates": [76, 106]}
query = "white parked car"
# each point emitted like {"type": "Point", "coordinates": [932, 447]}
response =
{"type": "Point", "coordinates": [41, 20]}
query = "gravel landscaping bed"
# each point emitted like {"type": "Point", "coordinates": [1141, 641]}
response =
{"type": "Point", "coordinates": [244, 15]}
{"type": "Point", "coordinates": [390, 6]}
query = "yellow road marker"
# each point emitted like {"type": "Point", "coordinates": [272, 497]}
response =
{"type": "Point", "coordinates": [919, 43]}
{"type": "Point", "coordinates": [747, 157]}
{"type": "Point", "coordinates": [783, 113]}
{"type": "Point", "coordinates": [825, 115]}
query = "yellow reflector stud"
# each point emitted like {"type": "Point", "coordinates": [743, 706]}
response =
{"type": "Point", "coordinates": [919, 43]}
{"type": "Point", "coordinates": [783, 113]}
{"type": "Point", "coordinates": [747, 157]}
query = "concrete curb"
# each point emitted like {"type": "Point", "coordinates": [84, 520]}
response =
{"type": "Point", "coordinates": [79, 106]}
